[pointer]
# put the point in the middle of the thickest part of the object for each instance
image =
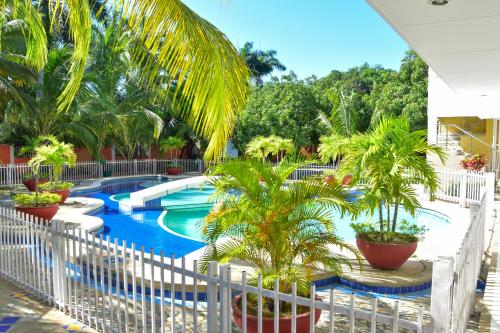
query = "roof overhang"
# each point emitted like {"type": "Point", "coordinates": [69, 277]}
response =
{"type": "Point", "coordinates": [460, 41]}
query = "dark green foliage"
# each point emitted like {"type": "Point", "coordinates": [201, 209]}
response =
{"type": "Point", "coordinates": [346, 101]}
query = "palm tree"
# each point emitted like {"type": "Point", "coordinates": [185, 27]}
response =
{"type": "Point", "coordinates": [54, 153]}
{"type": "Point", "coordinates": [261, 63]}
{"type": "Point", "coordinates": [389, 159]}
{"type": "Point", "coordinates": [113, 105]}
{"type": "Point", "coordinates": [283, 230]}
{"type": "Point", "coordinates": [261, 147]}
{"type": "Point", "coordinates": [209, 76]}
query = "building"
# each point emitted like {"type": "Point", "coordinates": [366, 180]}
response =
{"type": "Point", "coordinates": [459, 41]}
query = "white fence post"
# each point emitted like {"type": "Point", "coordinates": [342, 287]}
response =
{"type": "Point", "coordinates": [58, 262]}
{"type": "Point", "coordinates": [155, 166]}
{"type": "Point", "coordinates": [10, 174]}
{"type": "Point", "coordinates": [200, 166]}
{"type": "Point", "coordinates": [212, 298]}
{"type": "Point", "coordinates": [135, 167]}
{"type": "Point", "coordinates": [442, 288]}
{"type": "Point", "coordinates": [490, 188]}
{"type": "Point", "coordinates": [463, 188]}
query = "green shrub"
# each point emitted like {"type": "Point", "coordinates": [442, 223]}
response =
{"type": "Point", "coordinates": [59, 186]}
{"type": "Point", "coordinates": [28, 176]}
{"type": "Point", "coordinates": [33, 200]}
{"type": "Point", "coordinates": [406, 232]}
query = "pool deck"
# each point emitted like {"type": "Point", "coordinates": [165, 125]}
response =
{"type": "Point", "coordinates": [75, 210]}
{"type": "Point", "coordinates": [22, 312]}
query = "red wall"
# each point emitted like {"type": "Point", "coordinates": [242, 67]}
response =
{"type": "Point", "coordinates": [4, 153]}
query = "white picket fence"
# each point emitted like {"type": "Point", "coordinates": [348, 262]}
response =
{"type": "Point", "coordinates": [115, 288]}
{"type": "Point", "coordinates": [463, 187]}
{"type": "Point", "coordinates": [12, 174]}
{"type": "Point", "coordinates": [454, 278]}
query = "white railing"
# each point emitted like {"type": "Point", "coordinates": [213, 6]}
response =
{"type": "Point", "coordinates": [115, 288]}
{"type": "Point", "coordinates": [463, 187]}
{"type": "Point", "coordinates": [454, 278]}
{"type": "Point", "coordinates": [12, 174]}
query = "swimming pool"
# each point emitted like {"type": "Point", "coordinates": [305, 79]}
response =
{"type": "Point", "coordinates": [186, 210]}
{"type": "Point", "coordinates": [177, 230]}
{"type": "Point", "coordinates": [140, 227]}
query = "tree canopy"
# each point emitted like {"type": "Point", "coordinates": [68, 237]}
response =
{"type": "Point", "coordinates": [343, 102]}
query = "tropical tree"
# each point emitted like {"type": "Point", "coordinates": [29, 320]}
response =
{"type": "Point", "coordinates": [209, 76]}
{"type": "Point", "coordinates": [114, 107]}
{"type": "Point", "coordinates": [286, 107]}
{"type": "Point", "coordinates": [261, 147]}
{"type": "Point", "coordinates": [283, 230]}
{"type": "Point", "coordinates": [170, 144]}
{"type": "Point", "coordinates": [389, 160]}
{"type": "Point", "coordinates": [54, 153]}
{"type": "Point", "coordinates": [261, 63]}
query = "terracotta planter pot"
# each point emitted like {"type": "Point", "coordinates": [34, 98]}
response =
{"type": "Point", "coordinates": [30, 183]}
{"type": "Point", "coordinates": [173, 171]}
{"type": "Point", "coordinates": [346, 181]}
{"type": "Point", "coordinates": [285, 323]}
{"type": "Point", "coordinates": [329, 179]}
{"type": "Point", "coordinates": [63, 193]}
{"type": "Point", "coordinates": [44, 212]}
{"type": "Point", "coordinates": [387, 256]}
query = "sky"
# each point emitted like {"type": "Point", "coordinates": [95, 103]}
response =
{"type": "Point", "coordinates": [310, 36]}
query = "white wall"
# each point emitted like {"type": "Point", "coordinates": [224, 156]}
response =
{"type": "Point", "coordinates": [445, 102]}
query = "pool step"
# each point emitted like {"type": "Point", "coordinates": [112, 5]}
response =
{"type": "Point", "coordinates": [189, 206]}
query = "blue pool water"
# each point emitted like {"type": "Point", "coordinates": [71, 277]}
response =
{"type": "Point", "coordinates": [186, 219]}
{"type": "Point", "coordinates": [140, 227]}
{"type": "Point", "coordinates": [180, 231]}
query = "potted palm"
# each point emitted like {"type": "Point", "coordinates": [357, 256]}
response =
{"type": "Point", "coordinates": [42, 205]}
{"type": "Point", "coordinates": [171, 145]}
{"type": "Point", "coordinates": [388, 160]}
{"type": "Point", "coordinates": [273, 228]}
{"type": "Point", "coordinates": [29, 178]}
{"type": "Point", "coordinates": [57, 154]}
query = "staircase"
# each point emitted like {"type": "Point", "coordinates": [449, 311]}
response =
{"type": "Point", "coordinates": [450, 142]}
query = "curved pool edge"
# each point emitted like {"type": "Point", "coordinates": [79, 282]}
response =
{"type": "Point", "coordinates": [82, 215]}
{"type": "Point", "coordinates": [167, 229]}
{"type": "Point", "coordinates": [98, 183]}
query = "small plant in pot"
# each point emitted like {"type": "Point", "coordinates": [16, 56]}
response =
{"type": "Point", "coordinates": [41, 205]}
{"type": "Point", "coordinates": [61, 188]}
{"type": "Point", "coordinates": [29, 180]}
{"type": "Point", "coordinates": [389, 160]}
{"type": "Point", "coordinates": [285, 233]}
{"type": "Point", "coordinates": [171, 146]}
{"type": "Point", "coordinates": [57, 154]}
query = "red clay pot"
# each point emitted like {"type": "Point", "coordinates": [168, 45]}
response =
{"type": "Point", "coordinates": [346, 181]}
{"type": "Point", "coordinates": [43, 212]}
{"type": "Point", "coordinates": [386, 256]}
{"type": "Point", "coordinates": [173, 171]}
{"type": "Point", "coordinates": [285, 323]}
{"type": "Point", "coordinates": [329, 179]}
{"type": "Point", "coordinates": [63, 193]}
{"type": "Point", "coordinates": [30, 183]}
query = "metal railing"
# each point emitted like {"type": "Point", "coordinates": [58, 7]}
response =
{"type": "Point", "coordinates": [494, 153]}
{"type": "Point", "coordinates": [116, 288]}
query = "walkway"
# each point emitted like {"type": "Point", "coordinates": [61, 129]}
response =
{"type": "Point", "coordinates": [21, 312]}
{"type": "Point", "coordinates": [490, 315]}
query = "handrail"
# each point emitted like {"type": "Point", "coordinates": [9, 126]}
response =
{"type": "Point", "coordinates": [469, 134]}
